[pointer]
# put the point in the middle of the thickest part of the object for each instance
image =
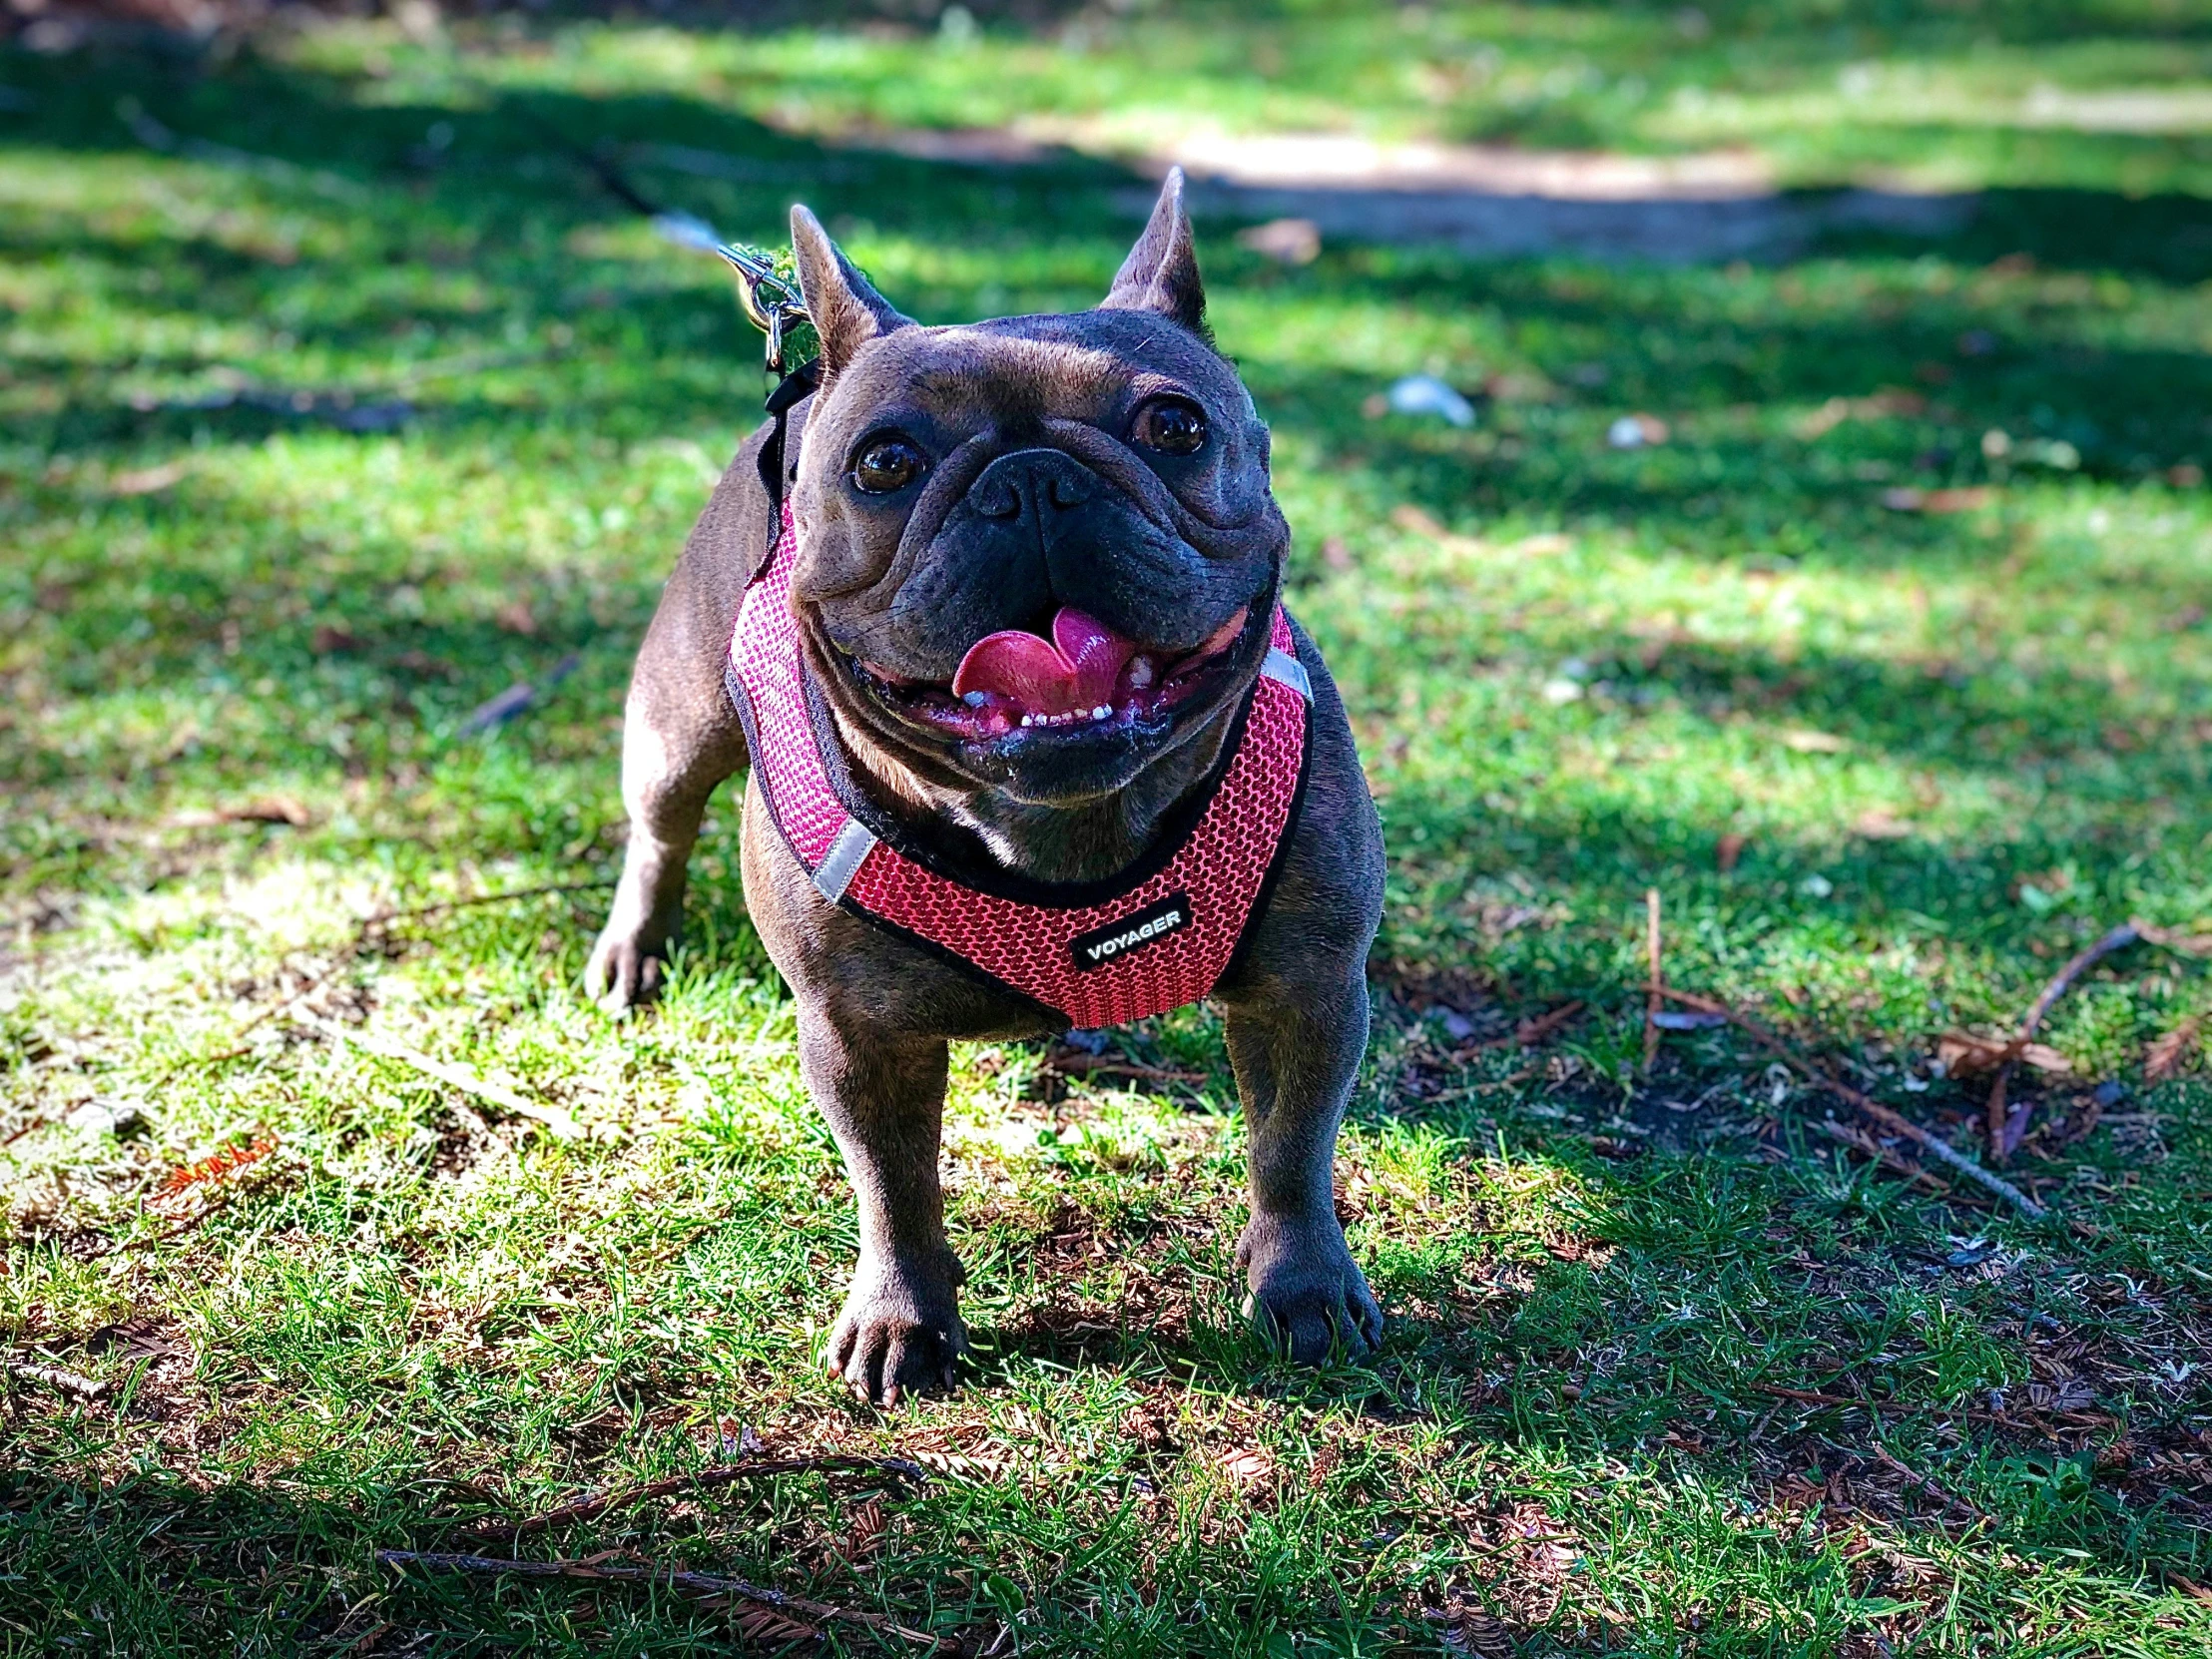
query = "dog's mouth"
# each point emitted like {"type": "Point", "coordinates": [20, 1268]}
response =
{"type": "Point", "coordinates": [1019, 687]}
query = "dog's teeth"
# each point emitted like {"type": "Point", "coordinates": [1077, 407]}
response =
{"type": "Point", "coordinates": [1101, 712]}
{"type": "Point", "coordinates": [1139, 672]}
{"type": "Point", "coordinates": [1028, 720]}
{"type": "Point", "coordinates": [977, 699]}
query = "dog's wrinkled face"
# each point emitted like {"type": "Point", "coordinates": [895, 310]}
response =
{"type": "Point", "coordinates": [1037, 552]}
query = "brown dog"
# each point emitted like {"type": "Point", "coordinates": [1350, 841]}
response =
{"type": "Point", "coordinates": [948, 486]}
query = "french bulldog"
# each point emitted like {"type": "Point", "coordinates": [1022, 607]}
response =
{"type": "Point", "coordinates": [958, 494]}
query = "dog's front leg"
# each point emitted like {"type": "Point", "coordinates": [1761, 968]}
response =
{"type": "Point", "coordinates": [670, 766]}
{"type": "Point", "coordinates": [1295, 1056]}
{"type": "Point", "coordinates": [883, 1095]}
{"type": "Point", "coordinates": [680, 736]}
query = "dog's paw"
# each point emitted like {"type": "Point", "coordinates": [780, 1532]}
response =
{"type": "Point", "coordinates": [899, 1334]}
{"type": "Point", "coordinates": [622, 972]}
{"type": "Point", "coordinates": [1308, 1298]}
{"type": "Point", "coordinates": [626, 963]}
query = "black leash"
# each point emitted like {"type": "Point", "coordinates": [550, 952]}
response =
{"type": "Point", "coordinates": [800, 383]}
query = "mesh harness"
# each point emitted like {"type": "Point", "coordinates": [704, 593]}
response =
{"type": "Point", "coordinates": [1158, 934]}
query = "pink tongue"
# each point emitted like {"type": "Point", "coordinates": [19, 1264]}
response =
{"type": "Point", "coordinates": [1076, 669]}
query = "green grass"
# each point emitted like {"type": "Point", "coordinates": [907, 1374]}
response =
{"type": "Point", "coordinates": [1957, 746]}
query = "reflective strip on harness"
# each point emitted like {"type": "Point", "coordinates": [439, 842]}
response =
{"type": "Point", "coordinates": [1283, 665]}
{"type": "Point", "coordinates": [835, 872]}
{"type": "Point", "coordinates": [1096, 953]}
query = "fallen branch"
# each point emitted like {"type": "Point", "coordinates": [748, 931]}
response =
{"type": "Point", "coordinates": [1813, 1396]}
{"type": "Point", "coordinates": [1934, 1145]}
{"type": "Point", "coordinates": [221, 1201]}
{"type": "Point", "coordinates": [373, 923]}
{"type": "Point", "coordinates": [384, 918]}
{"type": "Point", "coordinates": [1529, 1031]}
{"type": "Point", "coordinates": [557, 1122]}
{"type": "Point", "coordinates": [2003, 1133]}
{"type": "Point", "coordinates": [675, 1578]}
{"type": "Point", "coordinates": [517, 700]}
{"type": "Point", "coordinates": [720, 1475]}
{"type": "Point", "coordinates": [1102, 1065]}
{"type": "Point", "coordinates": [1922, 1483]}
{"type": "Point", "coordinates": [64, 1381]}
{"type": "Point", "coordinates": [1510, 1080]}
{"type": "Point", "coordinates": [239, 1049]}
{"type": "Point", "coordinates": [1882, 1155]}
{"type": "Point", "coordinates": [225, 1196]}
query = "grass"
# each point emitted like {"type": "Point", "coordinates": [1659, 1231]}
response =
{"type": "Point", "coordinates": [243, 629]}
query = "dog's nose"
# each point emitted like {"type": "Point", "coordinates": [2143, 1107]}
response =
{"type": "Point", "coordinates": [1040, 482]}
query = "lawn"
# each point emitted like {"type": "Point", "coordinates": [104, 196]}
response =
{"type": "Point", "coordinates": [339, 397]}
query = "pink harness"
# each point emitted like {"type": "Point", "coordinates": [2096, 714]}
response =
{"type": "Point", "coordinates": [1158, 935]}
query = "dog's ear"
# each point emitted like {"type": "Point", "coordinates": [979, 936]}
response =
{"type": "Point", "coordinates": [845, 311]}
{"type": "Point", "coordinates": [1161, 273]}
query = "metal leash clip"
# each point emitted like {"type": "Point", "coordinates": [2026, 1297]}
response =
{"type": "Point", "coordinates": [770, 301]}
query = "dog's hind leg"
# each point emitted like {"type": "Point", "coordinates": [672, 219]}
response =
{"type": "Point", "coordinates": [679, 737]}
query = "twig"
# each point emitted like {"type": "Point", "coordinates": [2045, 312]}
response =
{"type": "Point", "coordinates": [384, 918]}
{"type": "Point", "coordinates": [557, 1122]}
{"type": "Point", "coordinates": [1934, 1145]}
{"type": "Point", "coordinates": [1658, 983]}
{"type": "Point", "coordinates": [1106, 1066]}
{"type": "Point", "coordinates": [720, 1475]}
{"type": "Point", "coordinates": [65, 1381]}
{"type": "Point", "coordinates": [237, 1049]}
{"type": "Point", "coordinates": [23, 1129]}
{"type": "Point", "coordinates": [1928, 1486]}
{"type": "Point", "coordinates": [1491, 1087]}
{"type": "Point", "coordinates": [221, 1201]}
{"type": "Point", "coordinates": [675, 1578]}
{"type": "Point", "coordinates": [373, 923]}
{"type": "Point", "coordinates": [1813, 1396]}
{"type": "Point", "coordinates": [2002, 1136]}
{"type": "Point", "coordinates": [1529, 1031]}
{"type": "Point", "coordinates": [601, 166]}
{"type": "Point", "coordinates": [1883, 1156]}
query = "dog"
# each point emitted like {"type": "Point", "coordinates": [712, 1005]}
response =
{"type": "Point", "coordinates": [989, 615]}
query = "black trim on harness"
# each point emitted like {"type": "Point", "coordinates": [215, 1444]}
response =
{"type": "Point", "coordinates": [1259, 899]}
{"type": "Point", "coordinates": [794, 389]}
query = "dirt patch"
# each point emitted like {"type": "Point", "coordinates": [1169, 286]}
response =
{"type": "Point", "coordinates": [1489, 201]}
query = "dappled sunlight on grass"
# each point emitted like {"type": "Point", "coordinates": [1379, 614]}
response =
{"type": "Point", "coordinates": [322, 429]}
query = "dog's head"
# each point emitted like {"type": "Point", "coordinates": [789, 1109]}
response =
{"type": "Point", "coordinates": [1037, 553]}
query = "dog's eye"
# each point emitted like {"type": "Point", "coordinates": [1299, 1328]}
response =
{"type": "Point", "coordinates": [1172, 425]}
{"type": "Point", "coordinates": [887, 463]}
